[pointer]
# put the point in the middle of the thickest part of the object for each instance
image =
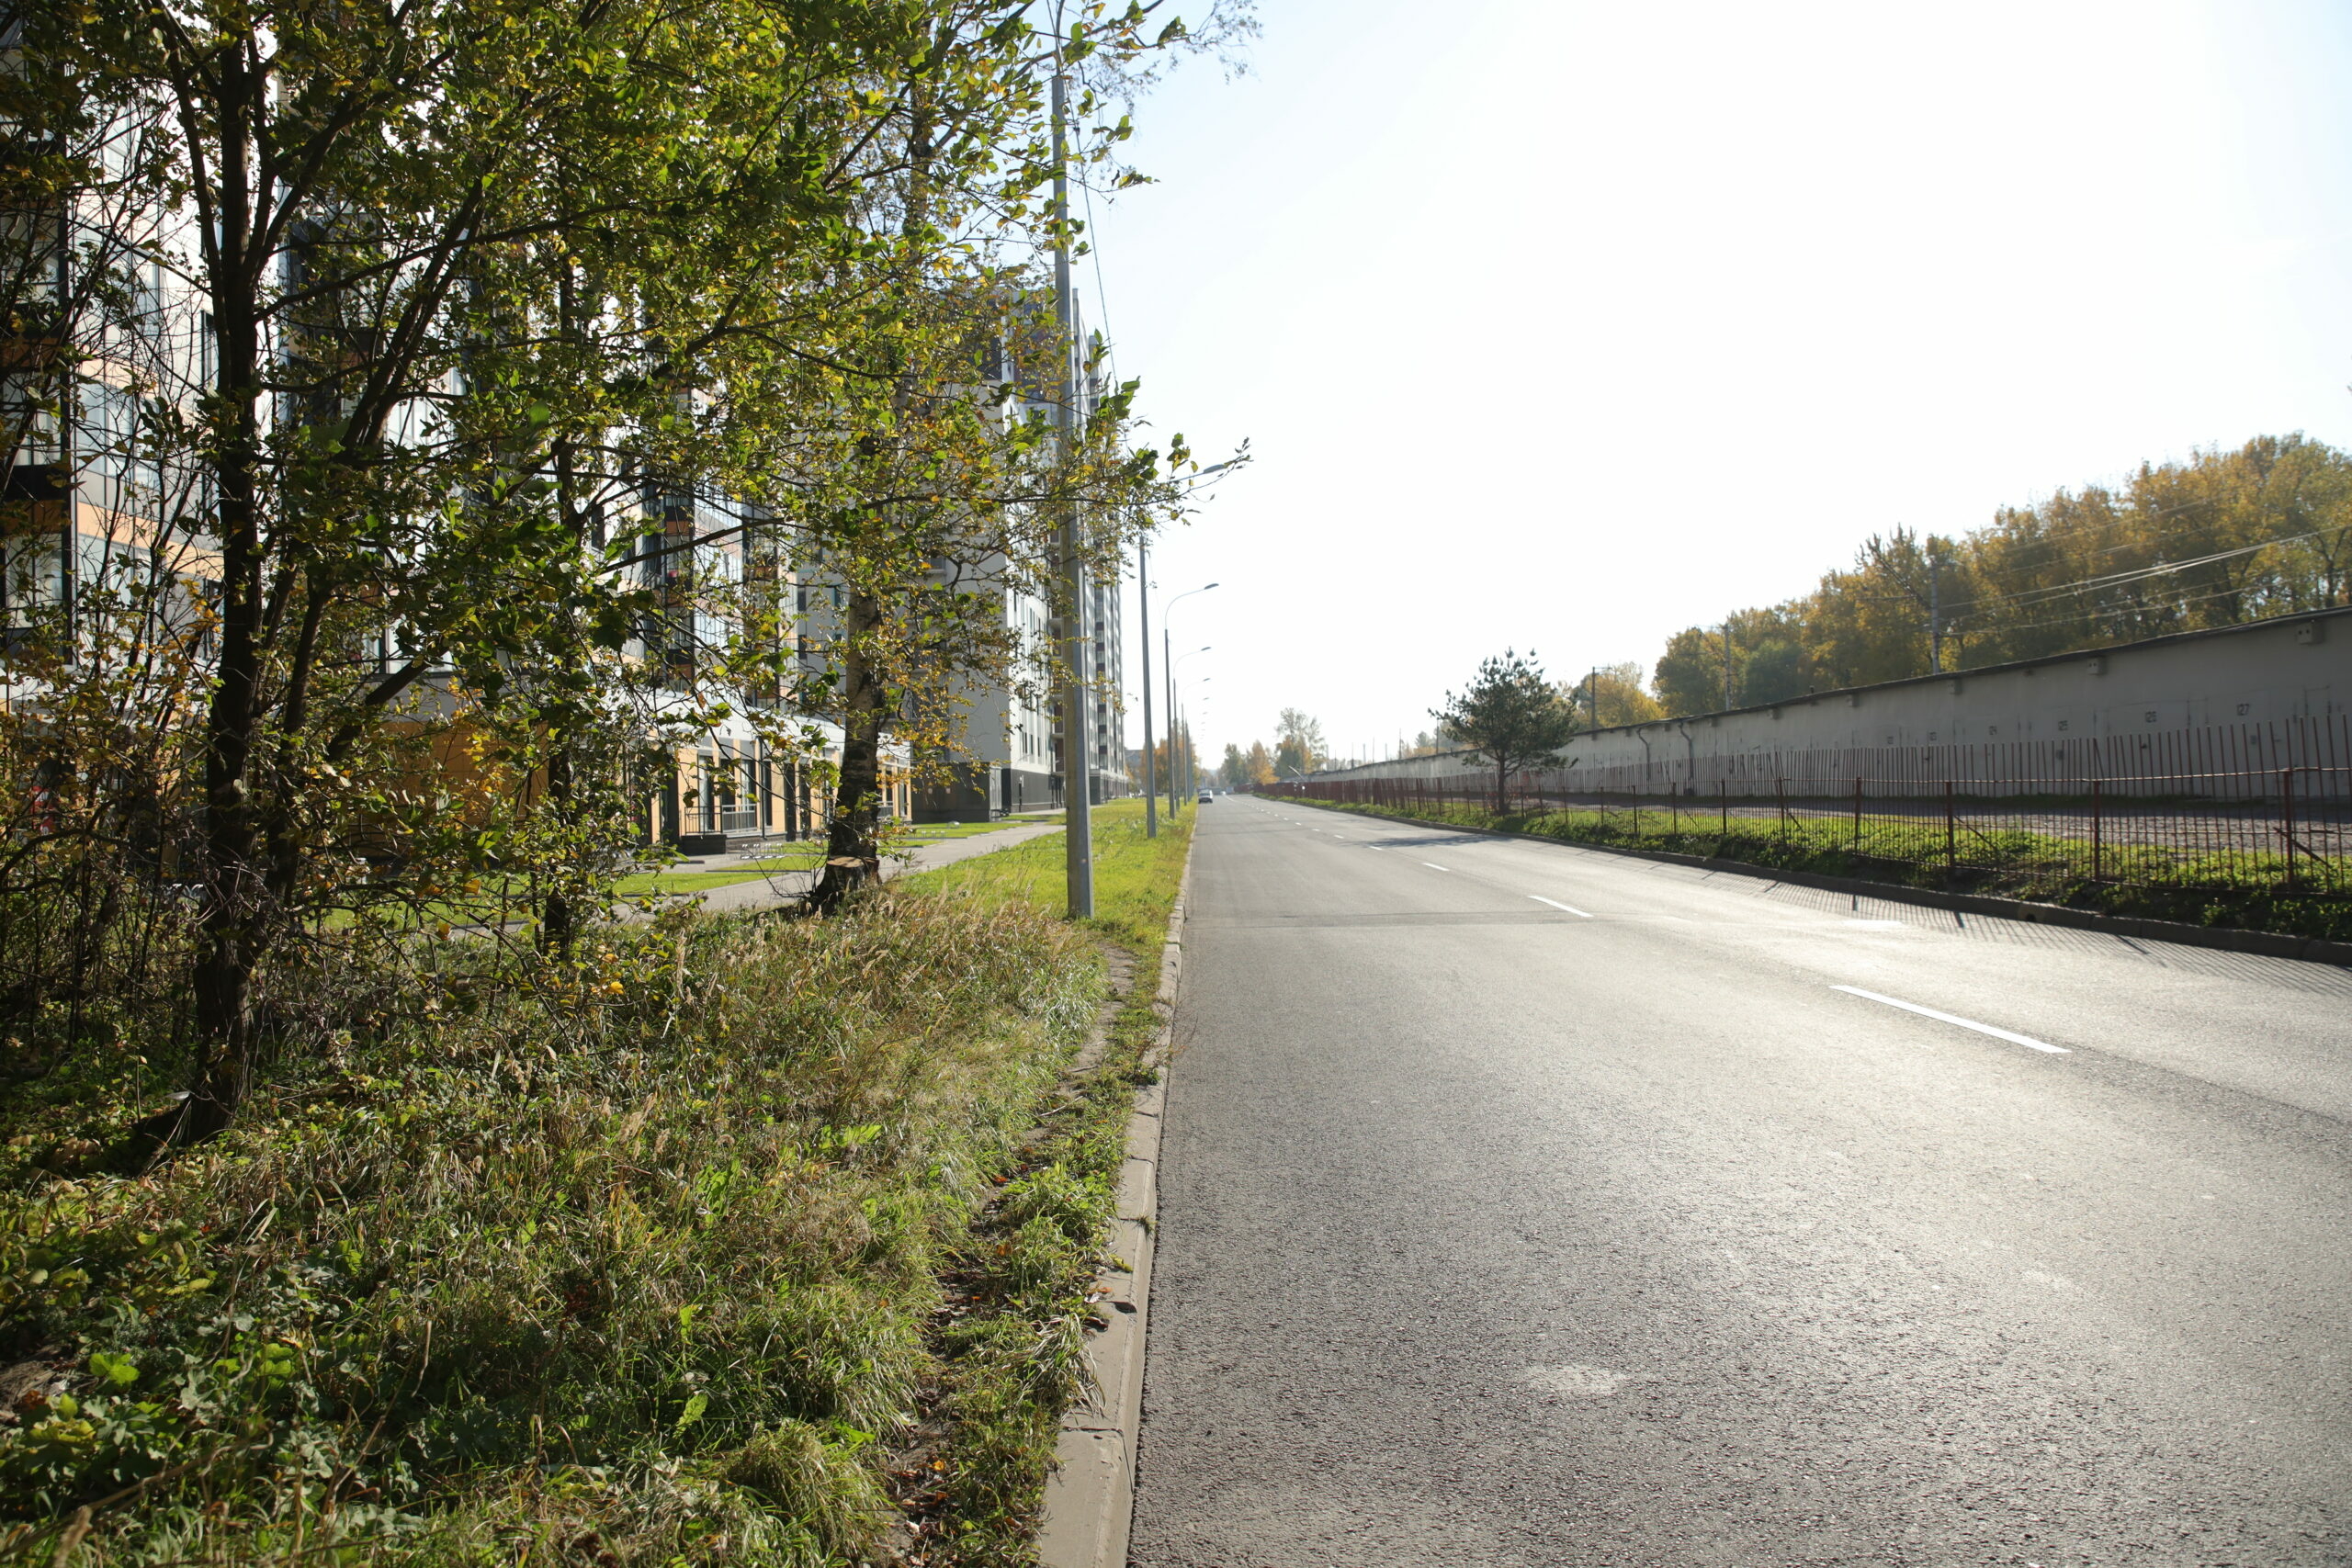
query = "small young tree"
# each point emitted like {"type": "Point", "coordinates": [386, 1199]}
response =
{"type": "Point", "coordinates": [1511, 714]}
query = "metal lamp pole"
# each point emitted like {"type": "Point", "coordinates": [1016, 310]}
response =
{"type": "Point", "coordinates": [1151, 764]}
{"type": "Point", "coordinates": [1078, 784]}
{"type": "Point", "coordinates": [1167, 615]}
{"type": "Point", "coordinates": [1192, 752]}
{"type": "Point", "coordinates": [1174, 729]}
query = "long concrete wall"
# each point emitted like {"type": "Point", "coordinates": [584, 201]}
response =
{"type": "Point", "coordinates": [2274, 693]}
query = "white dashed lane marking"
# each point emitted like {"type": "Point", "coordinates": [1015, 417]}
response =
{"type": "Point", "coordinates": [2027, 1041]}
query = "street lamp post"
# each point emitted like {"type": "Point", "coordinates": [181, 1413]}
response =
{"type": "Point", "coordinates": [1166, 616]}
{"type": "Point", "coordinates": [1174, 729]}
{"type": "Point", "coordinates": [1151, 776]}
{"type": "Point", "coordinates": [1078, 786]}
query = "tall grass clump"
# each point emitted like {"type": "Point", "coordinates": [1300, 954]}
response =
{"type": "Point", "coordinates": [1011, 1347]}
{"type": "Point", "coordinates": [651, 1256]}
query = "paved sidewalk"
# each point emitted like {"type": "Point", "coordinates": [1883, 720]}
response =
{"type": "Point", "coordinates": [768, 890]}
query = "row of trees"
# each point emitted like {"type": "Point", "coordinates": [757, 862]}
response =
{"type": "Point", "coordinates": [467, 394]}
{"type": "Point", "coordinates": [2223, 538]}
{"type": "Point", "coordinates": [1246, 769]}
{"type": "Point", "coordinates": [1299, 748]}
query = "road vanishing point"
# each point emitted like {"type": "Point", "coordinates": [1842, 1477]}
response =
{"type": "Point", "coordinates": [1529, 1205]}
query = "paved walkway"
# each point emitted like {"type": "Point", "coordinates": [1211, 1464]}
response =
{"type": "Point", "coordinates": [771, 888]}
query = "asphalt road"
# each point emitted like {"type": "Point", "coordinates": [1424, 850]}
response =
{"type": "Point", "coordinates": [1611, 1231]}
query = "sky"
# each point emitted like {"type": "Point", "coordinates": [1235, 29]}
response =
{"type": "Point", "coordinates": [1565, 325]}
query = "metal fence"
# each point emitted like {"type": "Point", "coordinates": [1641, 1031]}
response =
{"type": "Point", "coordinates": [2289, 830]}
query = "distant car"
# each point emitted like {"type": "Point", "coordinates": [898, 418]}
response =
{"type": "Point", "coordinates": [1207, 795]}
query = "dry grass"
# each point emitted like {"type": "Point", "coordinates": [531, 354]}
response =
{"type": "Point", "coordinates": [634, 1263]}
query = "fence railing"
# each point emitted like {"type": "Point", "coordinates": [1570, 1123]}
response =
{"type": "Point", "coordinates": [2289, 829]}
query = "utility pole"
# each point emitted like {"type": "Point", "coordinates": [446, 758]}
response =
{"type": "Point", "coordinates": [1935, 611]}
{"type": "Point", "coordinates": [1078, 784]}
{"type": "Point", "coordinates": [1150, 778]}
{"type": "Point", "coordinates": [1726, 666]}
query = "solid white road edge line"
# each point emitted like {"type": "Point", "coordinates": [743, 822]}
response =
{"type": "Point", "coordinates": [2027, 1041]}
{"type": "Point", "coordinates": [1571, 908]}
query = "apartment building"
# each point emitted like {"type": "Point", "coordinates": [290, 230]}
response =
{"type": "Point", "coordinates": [88, 493]}
{"type": "Point", "coordinates": [1008, 745]}
{"type": "Point", "coordinates": [100, 503]}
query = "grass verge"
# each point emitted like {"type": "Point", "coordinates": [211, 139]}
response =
{"type": "Point", "coordinates": [975, 1467]}
{"type": "Point", "coordinates": [2246, 893]}
{"type": "Point", "coordinates": [754, 1239]}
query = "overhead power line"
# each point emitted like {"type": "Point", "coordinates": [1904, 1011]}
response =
{"type": "Point", "coordinates": [2030, 596]}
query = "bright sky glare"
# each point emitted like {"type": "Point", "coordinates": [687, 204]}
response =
{"type": "Point", "coordinates": [1568, 323]}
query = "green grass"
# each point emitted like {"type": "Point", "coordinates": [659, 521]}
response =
{"type": "Point", "coordinates": [744, 1240]}
{"type": "Point", "coordinates": [1040, 1242]}
{"type": "Point", "coordinates": [1135, 877]}
{"type": "Point", "coordinates": [2245, 891]}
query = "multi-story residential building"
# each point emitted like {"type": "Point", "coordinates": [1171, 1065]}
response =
{"type": "Point", "coordinates": [95, 500]}
{"type": "Point", "coordinates": [1008, 744]}
{"type": "Point", "coordinates": [80, 499]}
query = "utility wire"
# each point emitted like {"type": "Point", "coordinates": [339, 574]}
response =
{"type": "Point", "coordinates": [2030, 596]}
{"type": "Point", "coordinates": [1101, 292]}
{"type": "Point", "coordinates": [2096, 615]}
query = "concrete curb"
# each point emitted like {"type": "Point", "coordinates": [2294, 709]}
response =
{"type": "Point", "coordinates": [2229, 939]}
{"type": "Point", "coordinates": [1090, 1496]}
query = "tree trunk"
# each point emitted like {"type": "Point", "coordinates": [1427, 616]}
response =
{"type": "Point", "coordinates": [558, 923]}
{"type": "Point", "coordinates": [231, 931]}
{"type": "Point", "coordinates": [853, 837]}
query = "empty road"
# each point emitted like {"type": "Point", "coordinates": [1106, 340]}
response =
{"type": "Point", "coordinates": [1523, 1204]}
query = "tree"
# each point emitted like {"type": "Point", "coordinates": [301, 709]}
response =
{"type": "Point", "coordinates": [1258, 767]}
{"type": "Point", "coordinates": [1612, 694]}
{"type": "Point", "coordinates": [350, 199]}
{"type": "Point", "coordinates": [2223, 537]}
{"type": "Point", "coordinates": [1511, 714]}
{"type": "Point", "coordinates": [512, 356]}
{"type": "Point", "coordinates": [953, 484]}
{"type": "Point", "coordinates": [1693, 675]}
{"type": "Point", "coordinates": [1299, 746]}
